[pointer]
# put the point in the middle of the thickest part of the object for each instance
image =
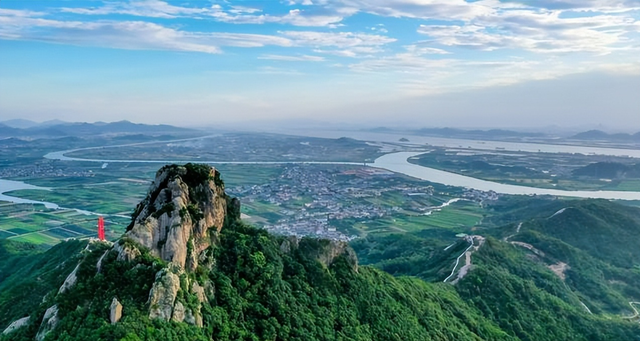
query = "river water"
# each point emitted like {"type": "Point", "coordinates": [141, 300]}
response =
{"type": "Point", "coordinates": [10, 185]}
{"type": "Point", "coordinates": [475, 144]}
{"type": "Point", "coordinates": [397, 162]}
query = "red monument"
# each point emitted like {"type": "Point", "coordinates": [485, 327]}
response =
{"type": "Point", "coordinates": [101, 228]}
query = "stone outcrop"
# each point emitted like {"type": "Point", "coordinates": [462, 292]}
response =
{"type": "Point", "coordinates": [17, 324]}
{"type": "Point", "coordinates": [49, 322]}
{"type": "Point", "coordinates": [323, 250]}
{"type": "Point", "coordinates": [289, 244]}
{"type": "Point", "coordinates": [70, 280]}
{"type": "Point", "coordinates": [178, 221]}
{"type": "Point", "coordinates": [115, 313]}
{"type": "Point", "coordinates": [99, 263]}
{"type": "Point", "coordinates": [327, 254]}
{"type": "Point", "coordinates": [184, 206]}
{"type": "Point", "coordinates": [163, 295]}
{"type": "Point", "coordinates": [126, 252]}
{"type": "Point", "coordinates": [198, 290]}
{"type": "Point", "coordinates": [178, 312]}
{"type": "Point", "coordinates": [193, 319]}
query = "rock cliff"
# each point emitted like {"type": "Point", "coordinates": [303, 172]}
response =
{"type": "Point", "coordinates": [178, 221]}
{"type": "Point", "coordinates": [185, 206]}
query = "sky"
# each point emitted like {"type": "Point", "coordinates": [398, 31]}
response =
{"type": "Point", "coordinates": [427, 63]}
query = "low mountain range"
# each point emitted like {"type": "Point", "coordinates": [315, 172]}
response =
{"type": "Point", "coordinates": [608, 170]}
{"type": "Point", "coordinates": [54, 129]}
{"type": "Point", "coordinates": [603, 136]}
{"type": "Point", "coordinates": [461, 133]}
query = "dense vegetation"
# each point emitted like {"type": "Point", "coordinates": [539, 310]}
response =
{"type": "Point", "coordinates": [265, 287]}
{"type": "Point", "coordinates": [608, 170]}
{"type": "Point", "coordinates": [514, 287]}
{"type": "Point", "coordinates": [262, 293]}
{"type": "Point", "coordinates": [28, 273]}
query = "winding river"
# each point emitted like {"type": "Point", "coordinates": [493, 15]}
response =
{"type": "Point", "coordinates": [10, 185]}
{"type": "Point", "coordinates": [398, 162]}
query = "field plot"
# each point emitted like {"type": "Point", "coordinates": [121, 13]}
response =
{"type": "Point", "coordinates": [248, 175]}
{"type": "Point", "coordinates": [39, 225]}
{"type": "Point", "coordinates": [241, 147]}
{"type": "Point", "coordinates": [104, 197]}
{"type": "Point", "coordinates": [269, 212]}
{"type": "Point", "coordinates": [458, 217]}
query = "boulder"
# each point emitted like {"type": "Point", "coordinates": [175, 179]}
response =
{"type": "Point", "coordinates": [115, 311]}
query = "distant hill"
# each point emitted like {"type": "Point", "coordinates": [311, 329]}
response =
{"type": "Point", "coordinates": [19, 123]}
{"type": "Point", "coordinates": [26, 124]}
{"type": "Point", "coordinates": [601, 135]}
{"type": "Point", "coordinates": [479, 134]}
{"type": "Point", "coordinates": [460, 133]}
{"type": "Point", "coordinates": [608, 170]}
{"type": "Point", "coordinates": [8, 131]}
{"type": "Point", "coordinates": [57, 129]}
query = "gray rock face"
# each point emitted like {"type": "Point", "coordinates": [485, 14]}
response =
{"type": "Point", "coordinates": [70, 280]}
{"type": "Point", "coordinates": [125, 252]}
{"type": "Point", "coordinates": [175, 220]}
{"type": "Point", "coordinates": [163, 295]}
{"type": "Point", "coordinates": [198, 290]}
{"type": "Point", "coordinates": [49, 322]}
{"type": "Point", "coordinates": [289, 244]}
{"type": "Point", "coordinates": [193, 319]}
{"type": "Point", "coordinates": [99, 263]}
{"type": "Point", "coordinates": [178, 312]}
{"type": "Point", "coordinates": [326, 251]}
{"type": "Point", "coordinates": [178, 221]}
{"type": "Point", "coordinates": [115, 311]}
{"type": "Point", "coordinates": [17, 324]}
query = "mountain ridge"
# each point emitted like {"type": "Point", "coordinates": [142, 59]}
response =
{"type": "Point", "coordinates": [60, 128]}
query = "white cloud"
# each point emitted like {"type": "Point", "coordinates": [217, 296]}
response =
{"type": "Point", "coordinates": [295, 17]}
{"type": "Point", "coordinates": [536, 31]}
{"type": "Point", "coordinates": [20, 13]}
{"type": "Point", "coordinates": [243, 9]}
{"type": "Point", "coordinates": [353, 52]}
{"type": "Point", "coordinates": [423, 9]}
{"type": "Point", "coordinates": [134, 35]}
{"type": "Point", "coordinates": [301, 58]}
{"type": "Point", "coordinates": [421, 50]}
{"type": "Point", "coordinates": [145, 35]}
{"type": "Point", "coordinates": [143, 8]}
{"type": "Point", "coordinates": [417, 73]}
{"type": "Point", "coordinates": [336, 39]}
{"type": "Point", "coordinates": [606, 6]}
{"type": "Point", "coordinates": [233, 14]}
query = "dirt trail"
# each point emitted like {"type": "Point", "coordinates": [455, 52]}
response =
{"type": "Point", "coordinates": [634, 309]}
{"type": "Point", "coordinates": [467, 253]}
{"type": "Point", "coordinates": [506, 239]}
{"type": "Point", "coordinates": [559, 269]}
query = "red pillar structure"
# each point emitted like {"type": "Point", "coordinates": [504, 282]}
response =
{"type": "Point", "coordinates": [101, 228]}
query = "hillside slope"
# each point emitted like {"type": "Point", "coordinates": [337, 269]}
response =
{"type": "Point", "coordinates": [189, 269]}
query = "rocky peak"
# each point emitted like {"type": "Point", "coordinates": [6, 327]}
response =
{"type": "Point", "coordinates": [323, 250]}
{"type": "Point", "coordinates": [185, 207]}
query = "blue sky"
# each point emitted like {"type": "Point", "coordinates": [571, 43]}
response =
{"type": "Point", "coordinates": [484, 63]}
